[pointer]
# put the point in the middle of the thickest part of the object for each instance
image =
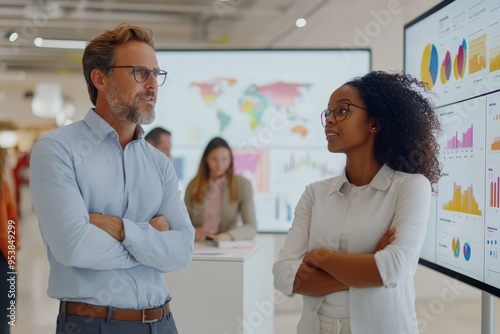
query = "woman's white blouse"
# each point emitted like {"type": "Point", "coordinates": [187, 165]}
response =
{"type": "Point", "coordinates": [392, 199]}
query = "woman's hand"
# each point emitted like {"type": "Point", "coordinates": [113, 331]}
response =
{"type": "Point", "coordinates": [221, 237]}
{"type": "Point", "coordinates": [200, 234]}
{"type": "Point", "coordinates": [386, 239]}
{"type": "Point", "coordinates": [314, 257]}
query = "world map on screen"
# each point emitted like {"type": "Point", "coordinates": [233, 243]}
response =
{"type": "Point", "coordinates": [254, 100]}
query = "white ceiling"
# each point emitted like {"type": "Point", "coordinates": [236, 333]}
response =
{"type": "Point", "coordinates": [177, 24]}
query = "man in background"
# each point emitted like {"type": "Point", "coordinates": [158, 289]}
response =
{"type": "Point", "coordinates": [161, 139]}
{"type": "Point", "coordinates": [108, 204]}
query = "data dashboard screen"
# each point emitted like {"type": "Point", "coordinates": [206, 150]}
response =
{"type": "Point", "coordinates": [455, 49]}
{"type": "Point", "coordinates": [267, 105]}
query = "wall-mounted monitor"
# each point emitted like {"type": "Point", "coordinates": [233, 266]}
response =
{"type": "Point", "coordinates": [267, 105]}
{"type": "Point", "coordinates": [455, 49]}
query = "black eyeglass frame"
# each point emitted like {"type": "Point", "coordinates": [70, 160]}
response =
{"type": "Point", "coordinates": [156, 73]}
{"type": "Point", "coordinates": [327, 112]}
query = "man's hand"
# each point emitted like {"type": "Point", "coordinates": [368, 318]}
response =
{"type": "Point", "coordinates": [111, 224]}
{"type": "Point", "coordinates": [160, 223]}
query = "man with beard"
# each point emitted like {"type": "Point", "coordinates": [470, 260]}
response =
{"type": "Point", "coordinates": [108, 205]}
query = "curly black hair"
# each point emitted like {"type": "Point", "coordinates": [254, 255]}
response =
{"type": "Point", "coordinates": [407, 120]}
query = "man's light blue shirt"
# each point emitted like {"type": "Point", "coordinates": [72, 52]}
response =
{"type": "Point", "coordinates": [80, 169]}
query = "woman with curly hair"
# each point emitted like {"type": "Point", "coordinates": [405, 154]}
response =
{"type": "Point", "coordinates": [354, 244]}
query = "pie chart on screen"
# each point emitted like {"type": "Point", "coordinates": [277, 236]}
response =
{"type": "Point", "coordinates": [467, 251]}
{"type": "Point", "coordinates": [445, 71]}
{"type": "Point", "coordinates": [455, 246]}
{"type": "Point", "coordinates": [459, 61]}
{"type": "Point", "coordinates": [429, 65]}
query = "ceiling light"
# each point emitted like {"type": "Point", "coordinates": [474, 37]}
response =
{"type": "Point", "coordinates": [47, 100]}
{"type": "Point", "coordinates": [8, 139]}
{"type": "Point", "coordinates": [59, 43]}
{"type": "Point", "coordinates": [300, 22]}
{"type": "Point", "coordinates": [13, 36]}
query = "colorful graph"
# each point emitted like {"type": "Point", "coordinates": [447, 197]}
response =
{"type": "Point", "coordinates": [495, 193]}
{"type": "Point", "coordinates": [288, 208]}
{"type": "Point", "coordinates": [445, 68]}
{"type": "Point", "coordinates": [429, 65]}
{"type": "Point", "coordinates": [463, 202]}
{"type": "Point", "coordinates": [467, 251]}
{"type": "Point", "coordinates": [492, 245]}
{"type": "Point", "coordinates": [495, 59]}
{"type": "Point", "coordinates": [495, 146]}
{"type": "Point", "coordinates": [306, 162]}
{"type": "Point", "coordinates": [179, 166]}
{"type": "Point", "coordinates": [455, 247]}
{"type": "Point", "coordinates": [459, 61]}
{"type": "Point", "coordinates": [466, 141]}
{"type": "Point", "coordinates": [477, 57]}
{"type": "Point", "coordinates": [256, 162]}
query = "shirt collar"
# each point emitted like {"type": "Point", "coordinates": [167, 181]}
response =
{"type": "Point", "coordinates": [101, 128]}
{"type": "Point", "coordinates": [381, 181]}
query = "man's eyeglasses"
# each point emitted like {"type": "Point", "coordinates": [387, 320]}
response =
{"type": "Point", "coordinates": [142, 73]}
{"type": "Point", "coordinates": [339, 114]}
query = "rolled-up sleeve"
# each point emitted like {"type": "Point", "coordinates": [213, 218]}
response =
{"type": "Point", "coordinates": [295, 247]}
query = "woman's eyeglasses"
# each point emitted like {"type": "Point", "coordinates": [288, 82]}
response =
{"type": "Point", "coordinates": [339, 113]}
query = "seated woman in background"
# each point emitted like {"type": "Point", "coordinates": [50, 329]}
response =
{"type": "Point", "coordinates": [216, 196]}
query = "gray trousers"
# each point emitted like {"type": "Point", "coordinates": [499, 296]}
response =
{"type": "Point", "coordinates": [75, 324]}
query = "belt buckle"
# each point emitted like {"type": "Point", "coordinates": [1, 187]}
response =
{"type": "Point", "coordinates": [145, 321]}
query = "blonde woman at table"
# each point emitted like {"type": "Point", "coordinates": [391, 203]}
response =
{"type": "Point", "coordinates": [216, 197]}
{"type": "Point", "coordinates": [354, 244]}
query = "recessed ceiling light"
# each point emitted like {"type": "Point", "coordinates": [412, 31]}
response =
{"type": "Point", "coordinates": [8, 139]}
{"type": "Point", "coordinates": [59, 43]}
{"type": "Point", "coordinates": [13, 36]}
{"type": "Point", "coordinates": [300, 22]}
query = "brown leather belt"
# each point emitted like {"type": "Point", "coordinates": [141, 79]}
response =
{"type": "Point", "coordinates": [87, 310]}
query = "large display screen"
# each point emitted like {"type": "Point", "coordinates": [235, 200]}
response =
{"type": "Point", "coordinates": [455, 49]}
{"type": "Point", "coordinates": [267, 105]}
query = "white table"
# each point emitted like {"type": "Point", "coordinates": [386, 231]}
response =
{"type": "Point", "coordinates": [225, 291]}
